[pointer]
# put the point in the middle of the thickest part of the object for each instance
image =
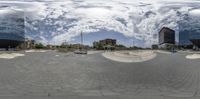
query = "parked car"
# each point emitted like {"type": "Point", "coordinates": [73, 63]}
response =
{"type": "Point", "coordinates": [80, 51]}
{"type": "Point", "coordinates": [173, 50]}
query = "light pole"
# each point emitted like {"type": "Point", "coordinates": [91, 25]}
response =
{"type": "Point", "coordinates": [81, 45]}
{"type": "Point", "coordinates": [81, 38]}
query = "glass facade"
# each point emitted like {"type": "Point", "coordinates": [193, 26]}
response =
{"type": "Point", "coordinates": [12, 29]}
{"type": "Point", "coordinates": [166, 35]}
{"type": "Point", "coordinates": [184, 38]}
{"type": "Point", "coordinates": [189, 33]}
{"type": "Point", "coordinates": [194, 35]}
{"type": "Point", "coordinates": [184, 33]}
{"type": "Point", "coordinates": [12, 26]}
{"type": "Point", "coordinates": [195, 38]}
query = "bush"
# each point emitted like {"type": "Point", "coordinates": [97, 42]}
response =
{"type": "Point", "coordinates": [39, 46]}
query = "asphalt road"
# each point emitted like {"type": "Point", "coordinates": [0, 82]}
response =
{"type": "Point", "coordinates": [57, 75]}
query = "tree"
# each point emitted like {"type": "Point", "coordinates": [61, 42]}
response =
{"type": "Point", "coordinates": [120, 47]}
{"type": "Point", "coordinates": [39, 46]}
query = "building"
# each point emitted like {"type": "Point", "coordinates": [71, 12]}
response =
{"type": "Point", "coordinates": [166, 35]}
{"type": "Point", "coordinates": [184, 40]}
{"type": "Point", "coordinates": [12, 32]}
{"type": "Point", "coordinates": [166, 38]}
{"type": "Point", "coordinates": [29, 44]}
{"type": "Point", "coordinates": [184, 36]}
{"type": "Point", "coordinates": [105, 44]}
{"type": "Point", "coordinates": [195, 39]}
{"type": "Point", "coordinates": [189, 37]}
{"type": "Point", "coordinates": [111, 42]}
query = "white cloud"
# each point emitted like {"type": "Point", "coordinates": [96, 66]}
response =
{"type": "Point", "coordinates": [58, 20]}
{"type": "Point", "coordinates": [195, 12]}
{"type": "Point", "coordinates": [4, 11]}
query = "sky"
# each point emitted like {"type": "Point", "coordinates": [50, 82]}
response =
{"type": "Point", "coordinates": [55, 21]}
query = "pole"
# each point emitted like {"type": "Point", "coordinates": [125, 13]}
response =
{"type": "Point", "coordinates": [81, 46]}
{"type": "Point", "coordinates": [81, 38]}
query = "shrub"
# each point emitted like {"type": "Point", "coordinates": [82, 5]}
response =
{"type": "Point", "coordinates": [39, 46]}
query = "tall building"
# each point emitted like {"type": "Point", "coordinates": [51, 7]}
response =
{"type": "Point", "coordinates": [195, 38]}
{"type": "Point", "coordinates": [166, 38]}
{"type": "Point", "coordinates": [12, 32]}
{"type": "Point", "coordinates": [184, 34]}
{"type": "Point", "coordinates": [184, 39]}
{"type": "Point", "coordinates": [166, 35]}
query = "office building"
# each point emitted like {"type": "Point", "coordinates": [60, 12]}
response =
{"type": "Point", "coordinates": [166, 35]}
{"type": "Point", "coordinates": [195, 38]}
{"type": "Point", "coordinates": [12, 32]}
{"type": "Point", "coordinates": [166, 38]}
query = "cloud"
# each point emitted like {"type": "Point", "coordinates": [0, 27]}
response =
{"type": "Point", "coordinates": [58, 20]}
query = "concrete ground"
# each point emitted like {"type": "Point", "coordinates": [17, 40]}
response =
{"type": "Point", "coordinates": [53, 75]}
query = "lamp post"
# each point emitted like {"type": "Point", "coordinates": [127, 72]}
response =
{"type": "Point", "coordinates": [81, 45]}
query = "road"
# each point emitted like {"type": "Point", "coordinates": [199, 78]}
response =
{"type": "Point", "coordinates": [53, 74]}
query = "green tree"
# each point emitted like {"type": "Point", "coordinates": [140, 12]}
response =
{"type": "Point", "coordinates": [39, 46]}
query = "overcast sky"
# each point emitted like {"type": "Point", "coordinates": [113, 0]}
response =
{"type": "Point", "coordinates": [55, 21]}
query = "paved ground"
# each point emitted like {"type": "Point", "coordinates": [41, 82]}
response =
{"type": "Point", "coordinates": [57, 75]}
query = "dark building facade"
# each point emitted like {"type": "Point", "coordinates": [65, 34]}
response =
{"type": "Point", "coordinates": [12, 32]}
{"type": "Point", "coordinates": [189, 32]}
{"type": "Point", "coordinates": [184, 35]}
{"type": "Point", "coordinates": [195, 38]}
{"type": "Point", "coordinates": [166, 35]}
{"type": "Point", "coordinates": [184, 39]}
